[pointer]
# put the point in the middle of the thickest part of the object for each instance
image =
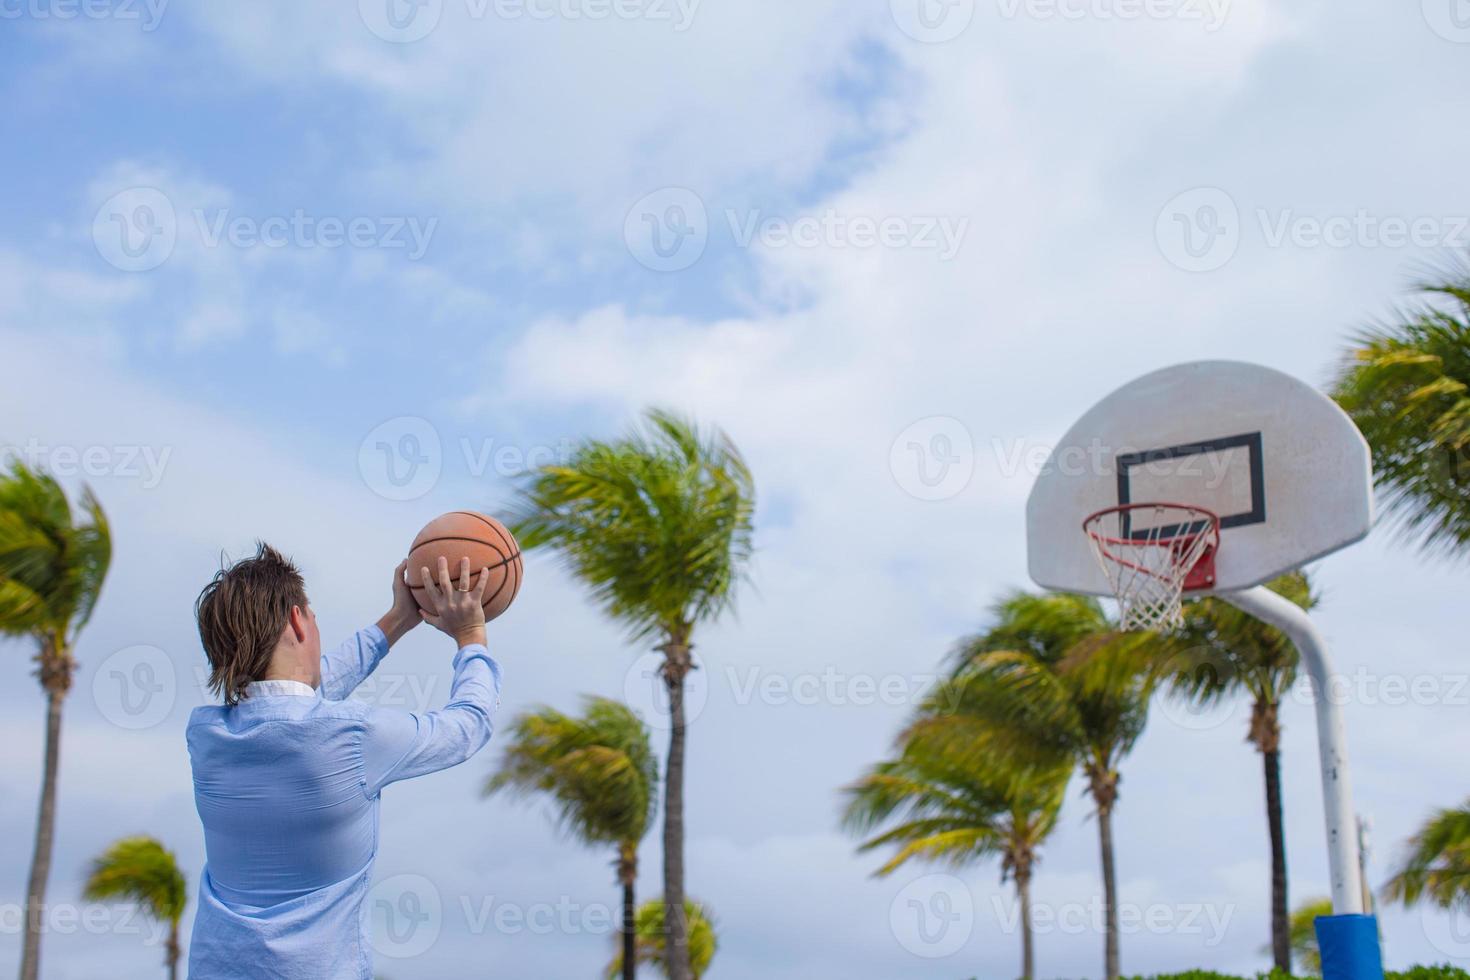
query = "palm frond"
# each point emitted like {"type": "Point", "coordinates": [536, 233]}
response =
{"type": "Point", "coordinates": [51, 567]}
{"type": "Point", "coordinates": [598, 769]}
{"type": "Point", "coordinates": [139, 869]}
{"type": "Point", "coordinates": [650, 932]}
{"type": "Point", "coordinates": [658, 523]}
{"type": "Point", "coordinates": [1222, 649]}
{"type": "Point", "coordinates": [1407, 386]}
{"type": "Point", "coordinates": [943, 804]}
{"type": "Point", "coordinates": [1437, 865]}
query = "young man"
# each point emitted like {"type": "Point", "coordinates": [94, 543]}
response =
{"type": "Point", "coordinates": [287, 772]}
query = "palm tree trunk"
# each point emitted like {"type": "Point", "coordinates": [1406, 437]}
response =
{"type": "Point", "coordinates": [30, 960]}
{"type": "Point", "coordinates": [676, 944]}
{"type": "Point", "coordinates": [630, 933]}
{"type": "Point", "coordinates": [628, 876]}
{"type": "Point", "coordinates": [173, 951]}
{"type": "Point", "coordinates": [1028, 951]}
{"type": "Point", "coordinates": [1110, 890]}
{"type": "Point", "coordinates": [1269, 743]}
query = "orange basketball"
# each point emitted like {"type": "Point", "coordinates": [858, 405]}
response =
{"type": "Point", "coordinates": [484, 541]}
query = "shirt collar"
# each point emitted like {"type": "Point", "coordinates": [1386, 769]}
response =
{"type": "Point", "coordinates": [279, 688]}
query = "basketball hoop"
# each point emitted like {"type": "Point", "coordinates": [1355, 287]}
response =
{"type": "Point", "coordinates": [1153, 553]}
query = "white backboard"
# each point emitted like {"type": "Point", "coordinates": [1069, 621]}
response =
{"type": "Point", "coordinates": [1284, 468]}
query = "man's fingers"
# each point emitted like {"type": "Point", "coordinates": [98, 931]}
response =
{"type": "Point", "coordinates": [432, 620]}
{"type": "Point", "coordinates": [428, 583]}
{"type": "Point", "coordinates": [445, 582]}
{"type": "Point", "coordinates": [480, 588]}
{"type": "Point", "coordinates": [464, 575]}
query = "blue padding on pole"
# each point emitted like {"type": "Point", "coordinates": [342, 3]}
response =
{"type": "Point", "coordinates": [1349, 947]}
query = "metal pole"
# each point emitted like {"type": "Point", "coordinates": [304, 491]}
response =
{"type": "Point", "coordinates": [1337, 795]}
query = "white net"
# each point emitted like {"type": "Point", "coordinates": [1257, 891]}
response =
{"type": "Point", "coordinates": [1147, 552]}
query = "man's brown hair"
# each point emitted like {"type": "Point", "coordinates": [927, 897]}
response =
{"type": "Point", "coordinates": [242, 613]}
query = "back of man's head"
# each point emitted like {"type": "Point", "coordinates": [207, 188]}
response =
{"type": "Point", "coordinates": [242, 614]}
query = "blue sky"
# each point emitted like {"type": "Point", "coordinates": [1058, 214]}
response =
{"type": "Point", "coordinates": [892, 220]}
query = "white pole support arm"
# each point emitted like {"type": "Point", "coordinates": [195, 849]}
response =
{"type": "Point", "coordinates": [1337, 795]}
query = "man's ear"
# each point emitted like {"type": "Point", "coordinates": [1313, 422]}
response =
{"type": "Point", "coordinates": [298, 621]}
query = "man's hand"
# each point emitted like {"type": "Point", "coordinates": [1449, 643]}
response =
{"type": "Point", "coordinates": [460, 612]}
{"type": "Point", "coordinates": [404, 615]}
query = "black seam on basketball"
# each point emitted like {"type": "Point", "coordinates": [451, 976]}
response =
{"type": "Point", "coordinates": [500, 531]}
{"type": "Point", "coordinates": [520, 573]}
{"type": "Point", "coordinates": [500, 564]}
{"type": "Point", "coordinates": [510, 567]}
{"type": "Point", "coordinates": [457, 537]}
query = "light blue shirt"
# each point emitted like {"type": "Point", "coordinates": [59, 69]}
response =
{"type": "Point", "coordinates": [286, 783]}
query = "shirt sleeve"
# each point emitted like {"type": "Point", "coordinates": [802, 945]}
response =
{"type": "Point", "coordinates": [350, 664]}
{"type": "Point", "coordinates": [403, 744]}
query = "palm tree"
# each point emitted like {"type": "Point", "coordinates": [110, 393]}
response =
{"type": "Point", "coordinates": [947, 809]}
{"type": "Point", "coordinates": [1223, 650]}
{"type": "Point", "coordinates": [1026, 696]}
{"type": "Point", "coordinates": [1437, 865]}
{"type": "Point", "coordinates": [141, 870]}
{"type": "Point", "coordinates": [1407, 386]}
{"type": "Point", "coordinates": [652, 933]}
{"type": "Point", "coordinates": [51, 572]}
{"type": "Point", "coordinates": [602, 774]}
{"type": "Point", "coordinates": [1303, 933]}
{"type": "Point", "coordinates": [659, 525]}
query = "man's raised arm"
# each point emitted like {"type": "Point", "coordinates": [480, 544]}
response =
{"type": "Point", "coordinates": [344, 668]}
{"type": "Point", "coordinates": [401, 745]}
